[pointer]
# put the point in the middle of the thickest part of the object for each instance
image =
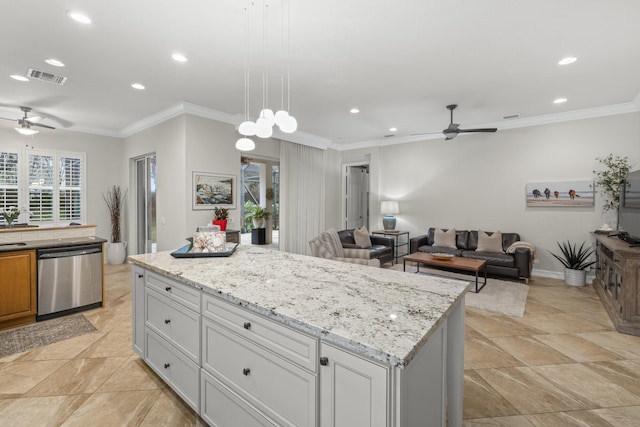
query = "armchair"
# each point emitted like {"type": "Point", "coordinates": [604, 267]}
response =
{"type": "Point", "coordinates": [327, 245]}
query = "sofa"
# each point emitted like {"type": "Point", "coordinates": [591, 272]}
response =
{"type": "Point", "coordinates": [515, 260]}
{"type": "Point", "coordinates": [381, 247]}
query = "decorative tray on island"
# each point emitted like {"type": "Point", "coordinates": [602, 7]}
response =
{"type": "Point", "coordinates": [184, 252]}
{"type": "Point", "coordinates": [442, 256]}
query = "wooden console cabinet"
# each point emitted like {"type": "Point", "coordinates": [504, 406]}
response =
{"type": "Point", "coordinates": [617, 282]}
{"type": "Point", "coordinates": [17, 288]}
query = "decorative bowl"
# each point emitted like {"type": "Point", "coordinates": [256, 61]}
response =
{"type": "Point", "coordinates": [442, 256]}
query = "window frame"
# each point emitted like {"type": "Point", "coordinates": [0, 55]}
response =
{"type": "Point", "coordinates": [24, 187]}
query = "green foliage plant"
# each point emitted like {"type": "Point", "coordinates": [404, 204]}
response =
{"type": "Point", "coordinates": [573, 257]}
{"type": "Point", "coordinates": [220, 213]}
{"type": "Point", "coordinates": [609, 180]}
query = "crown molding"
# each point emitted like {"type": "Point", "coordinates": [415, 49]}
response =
{"type": "Point", "coordinates": [587, 113]}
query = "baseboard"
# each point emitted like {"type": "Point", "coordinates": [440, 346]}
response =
{"type": "Point", "coordinates": [556, 274]}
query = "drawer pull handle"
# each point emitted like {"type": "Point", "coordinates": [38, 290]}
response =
{"type": "Point", "coordinates": [246, 371]}
{"type": "Point", "coordinates": [167, 321]}
{"type": "Point", "coordinates": [168, 289]}
{"type": "Point", "coordinates": [140, 276]}
{"type": "Point", "coordinates": [166, 365]}
{"type": "Point", "coordinates": [247, 325]}
{"type": "Point", "coordinates": [324, 361]}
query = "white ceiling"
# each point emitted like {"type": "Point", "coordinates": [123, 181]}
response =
{"type": "Point", "coordinates": [399, 62]}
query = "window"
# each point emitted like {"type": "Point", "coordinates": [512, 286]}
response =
{"type": "Point", "coordinates": [49, 185]}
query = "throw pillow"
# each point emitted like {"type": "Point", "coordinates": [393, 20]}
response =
{"type": "Point", "coordinates": [361, 236]}
{"type": "Point", "coordinates": [488, 243]}
{"type": "Point", "coordinates": [445, 239]}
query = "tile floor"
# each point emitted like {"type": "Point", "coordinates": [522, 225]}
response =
{"type": "Point", "coordinates": [562, 364]}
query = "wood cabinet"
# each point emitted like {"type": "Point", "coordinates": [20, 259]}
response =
{"type": "Point", "coordinates": [617, 282]}
{"type": "Point", "coordinates": [18, 297]}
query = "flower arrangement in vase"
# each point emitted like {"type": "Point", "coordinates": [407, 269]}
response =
{"type": "Point", "coordinates": [10, 214]}
{"type": "Point", "coordinates": [116, 251]}
{"type": "Point", "coordinates": [220, 216]}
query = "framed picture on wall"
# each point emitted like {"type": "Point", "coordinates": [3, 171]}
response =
{"type": "Point", "coordinates": [213, 190]}
{"type": "Point", "coordinates": [566, 193]}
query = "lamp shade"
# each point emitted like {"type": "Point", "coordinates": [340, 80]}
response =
{"type": "Point", "coordinates": [389, 207]}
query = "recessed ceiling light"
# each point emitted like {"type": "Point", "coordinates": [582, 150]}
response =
{"type": "Point", "coordinates": [393, 129]}
{"type": "Point", "coordinates": [54, 62]}
{"type": "Point", "coordinates": [138, 86]}
{"type": "Point", "coordinates": [568, 60]}
{"type": "Point", "coordinates": [19, 78]}
{"type": "Point", "coordinates": [354, 111]}
{"type": "Point", "coordinates": [79, 17]}
{"type": "Point", "coordinates": [559, 100]}
{"type": "Point", "coordinates": [179, 57]}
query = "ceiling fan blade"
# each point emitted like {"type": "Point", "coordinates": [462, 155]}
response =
{"type": "Point", "coordinates": [34, 119]}
{"type": "Point", "coordinates": [6, 118]}
{"type": "Point", "coordinates": [478, 130]}
{"type": "Point", "coordinates": [42, 126]}
{"type": "Point", "coordinates": [427, 133]}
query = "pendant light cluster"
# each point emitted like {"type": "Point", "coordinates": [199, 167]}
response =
{"type": "Point", "coordinates": [267, 119]}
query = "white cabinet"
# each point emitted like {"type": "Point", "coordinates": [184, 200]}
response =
{"type": "Point", "coordinates": [353, 391]}
{"type": "Point", "coordinates": [138, 309]}
{"type": "Point", "coordinates": [267, 365]}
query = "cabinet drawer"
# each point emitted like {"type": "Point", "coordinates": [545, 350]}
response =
{"type": "Point", "coordinates": [283, 391]}
{"type": "Point", "coordinates": [220, 407]}
{"type": "Point", "coordinates": [180, 373]}
{"type": "Point", "coordinates": [294, 346]}
{"type": "Point", "coordinates": [185, 295]}
{"type": "Point", "coordinates": [177, 324]}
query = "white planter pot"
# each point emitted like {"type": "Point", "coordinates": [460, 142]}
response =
{"type": "Point", "coordinates": [116, 253]}
{"type": "Point", "coordinates": [575, 277]}
{"type": "Point", "coordinates": [258, 223]}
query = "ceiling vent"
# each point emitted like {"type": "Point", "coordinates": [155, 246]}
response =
{"type": "Point", "coordinates": [46, 77]}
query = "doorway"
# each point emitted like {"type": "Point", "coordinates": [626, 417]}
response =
{"type": "Point", "coordinates": [356, 196]}
{"type": "Point", "coordinates": [260, 181]}
{"type": "Point", "coordinates": [145, 199]}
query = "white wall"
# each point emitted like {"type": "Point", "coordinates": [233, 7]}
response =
{"type": "Point", "coordinates": [477, 181]}
{"type": "Point", "coordinates": [104, 166]}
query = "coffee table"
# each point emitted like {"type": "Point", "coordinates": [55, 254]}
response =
{"type": "Point", "coordinates": [455, 263]}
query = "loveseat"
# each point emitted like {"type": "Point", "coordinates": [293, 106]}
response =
{"type": "Point", "coordinates": [515, 259]}
{"type": "Point", "coordinates": [381, 247]}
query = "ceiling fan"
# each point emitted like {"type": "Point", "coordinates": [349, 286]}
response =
{"type": "Point", "coordinates": [26, 122]}
{"type": "Point", "coordinates": [454, 129]}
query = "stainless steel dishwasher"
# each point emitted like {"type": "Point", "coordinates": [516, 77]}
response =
{"type": "Point", "coordinates": [69, 280]}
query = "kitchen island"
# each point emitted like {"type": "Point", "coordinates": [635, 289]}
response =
{"type": "Point", "coordinates": [271, 338]}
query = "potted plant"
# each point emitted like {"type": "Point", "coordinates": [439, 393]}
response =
{"type": "Point", "coordinates": [10, 214]}
{"type": "Point", "coordinates": [258, 216]}
{"type": "Point", "coordinates": [116, 250]}
{"type": "Point", "coordinates": [575, 261]}
{"type": "Point", "coordinates": [610, 179]}
{"type": "Point", "coordinates": [220, 217]}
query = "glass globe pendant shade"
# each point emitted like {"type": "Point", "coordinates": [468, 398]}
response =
{"type": "Point", "coordinates": [245, 144]}
{"type": "Point", "coordinates": [247, 128]}
{"type": "Point", "coordinates": [280, 116]}
{"type": "Point", "coordinates": [267, 114]}
{"type": "Point", "coordinates": [289, 124]}
{"type": "Point", "coordinates": [264, 132]}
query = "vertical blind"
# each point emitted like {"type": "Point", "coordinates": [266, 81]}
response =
{"type": "Point", "coordinates": [49, 185]}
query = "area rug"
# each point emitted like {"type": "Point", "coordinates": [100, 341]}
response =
{"type": "Point", "coordinates": [499, 296]}
{"type": "Point", "coordinates": [43, 333]}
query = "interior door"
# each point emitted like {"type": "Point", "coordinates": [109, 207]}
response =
{"type": "Point", "coordinates": [357, 196]}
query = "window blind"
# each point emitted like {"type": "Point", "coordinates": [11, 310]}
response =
{"type": "Point", "coordinates": [8, 181]}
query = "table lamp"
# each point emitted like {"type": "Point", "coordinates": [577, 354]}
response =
{"type": "Point", "coordinates": [388, 208]}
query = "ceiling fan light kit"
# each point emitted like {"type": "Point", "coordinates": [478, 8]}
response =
{"type": "Point", "coordinates": [26, 122]}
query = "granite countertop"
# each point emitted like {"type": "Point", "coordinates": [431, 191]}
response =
{"type": "Point", "coordinates": [382, 314]}
{"type": "Point", "coordinates": [49, 243]}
